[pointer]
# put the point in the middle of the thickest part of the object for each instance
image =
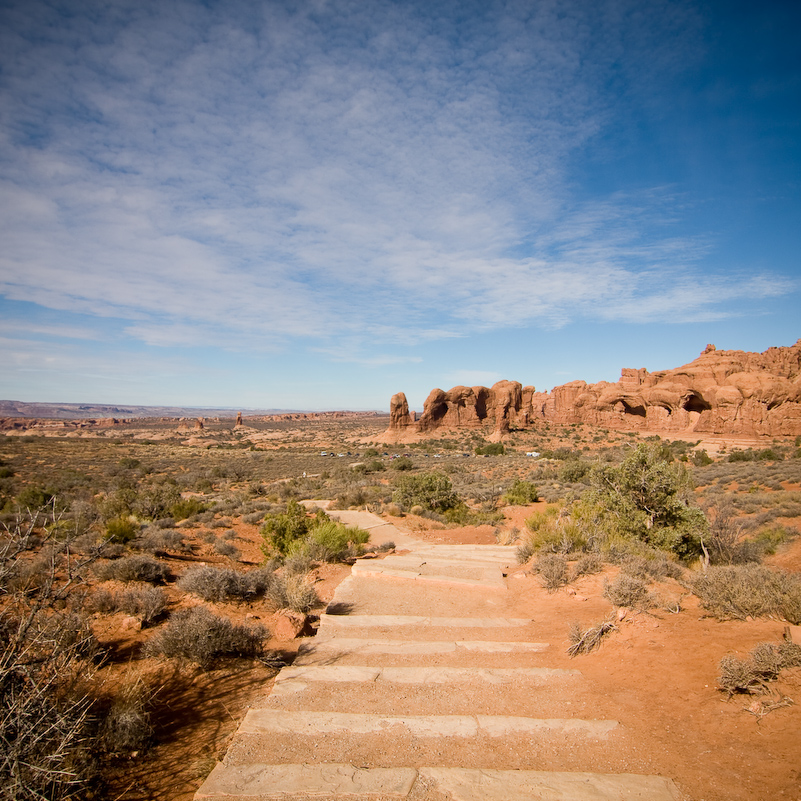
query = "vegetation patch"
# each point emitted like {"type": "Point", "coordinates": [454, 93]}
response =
{"type": "Point", "coordinates": [198, 636]}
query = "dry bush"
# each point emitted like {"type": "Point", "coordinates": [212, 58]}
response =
{"type": "Point", "coordinates": [739, 591]}
{"type": "Point", "coordinates": [126, 727]}
{"type": "Point", "coordinates": [552, 570]}
{"type": "Point", "coordinates": [657, 566]}
{"type": "Point", "coordinates": [292, 592]}
{"type": "Point", "coordinates": [227, 549]}
{"type": "Point", "coordinates": [160, 541]}
{"type": "Point", "coordinates": [582, 641]}
{"type": "Point", "coordinates": [762, 665]}
{"type": "Point", "coordinates": [46, 651]}
{"type": "Point", "coordinates": [225, 584]}
{"type": "Point", "coordinates": [588, 564]}
{"type": "Point", "coordinates": [139, 567]}
{"type": "Point", "coordinates": [628, 591]}
{"type": "Point", "coordinates": [145, 601]}
{"type": "Point", "coordinates": [199, 636]}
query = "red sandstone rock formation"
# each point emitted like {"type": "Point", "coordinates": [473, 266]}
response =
{"type": "Point", "coordinates": [721, 392]}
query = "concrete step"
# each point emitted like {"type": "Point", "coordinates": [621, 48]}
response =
{"type": "Point", "coordinates": [464, 572]}
{"type": "Point", "coordinates": [360, 594]}
{"type": "Point", "coordinates": [427, 690]}
{"type": "Point", "coordinates": [304, 723]}
{"type": "Point", "coordinates": [298, 782]}
{"type": "Point", "coordinates": [423, 627]}
{"type": "Point", "coordinates": [394, 652]}
{"type": "Point", "coordinates": [399, 740]}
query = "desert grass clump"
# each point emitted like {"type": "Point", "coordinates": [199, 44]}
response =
{"type": "Point", "coordinates": [127, 727]}
{"type": "Point", "coordinates": [144, 601]}
{"type": "Point", "coordinates": [628, 591]}
{"type": "Point", "coordinates": [138, 567]}
{"type": "Point", "coordinates": [227, 549]}
{"type": "Point", "coordinates": [587, 565]}
{"type": "Point", "coordinates": [740, 591]}
{"type": "Point", "coordinates": [121, 529]}
{"type": "Point", "coordinates": [292, 592]}
{"type": "Point", "coordinates": [582, 641]}
{"type": "Point", "coordinates": [764, 664]}
{"type": "Point", "coordinates": [160, 541]}
{"type": "Point", "coordinates": [198, 636]}
{"type": "Point", "coordinates": [552, 570]}
{"type": "Point", "coordinates": [220, 584]}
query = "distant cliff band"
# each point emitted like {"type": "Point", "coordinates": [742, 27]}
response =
{"type": "Point", "coordinates": [721, 392]}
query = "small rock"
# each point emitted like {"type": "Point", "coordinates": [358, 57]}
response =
{"type": "Point", "coordinates": [369, 555]}
{"type": "Point", "coordinates": [288, 624]}
{"type": "Point", "coordinates": [570, 591]}
{"type": "Point", "coordinates": [622, 612]}
{"type": "Point", "coordinates": [131, 624]}
{"type": "Point", "coordinates": [794, 633]}
{"type": "Point", "coordinates": [580, 597]}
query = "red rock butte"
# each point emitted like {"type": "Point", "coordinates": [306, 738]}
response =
{"type": "Point", "coordinates": [720, 392]}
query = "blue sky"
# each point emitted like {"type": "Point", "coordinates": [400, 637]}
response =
{"type": "Point", "coordinates": [315, 205]}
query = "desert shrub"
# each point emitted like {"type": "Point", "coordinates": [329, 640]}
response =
{"type": "Point", "coordinates": [552, 570]}
{"type": "Point", "coordinates": [121, 529]}
{"type": "Point", "coordinates": [521, 493]}
{"type": "Point", "coordinates": [253, 518]}
{"type": "Point", "coordinates": [627, 590]}
{"type": "Point", "coordinates": [227, 549]}
{"type": "Point", "coordinates": [762, 665]}
{"type": "Point", "coordinates": [646, 498]}
{"type": "Point", "coordinates": [331, 541]}
{"type": "Point", "coordinates": [574, 471]}
{"type": "Point", "coordinates": [550, 533]}
{"type": "Point", "coordinates": [432, 491]}
{"type": "Point", "coordinates": [292, 592]}
{"type": "Point", "coordinates": [740, 591]}
{"type": "Point", "coordinates": [769, 538]}
{"type": "Point", "coordinates": [45, 661]}
{"type": "Point", "coordinates": [126, 726]}
{"type": "Point", "coordinates": [490, 449]}
{"type": "Point", "coordinates": [199, 636]}
{"type": "Point", "coordinates": [582, 641]}
{"type": "Point", "coordinates": [138, 567]}
{"type": "Point", "coordinates": [145, 601]}
{"type": "Point", "coordinates": [299, 562]}
{"type": "Point", "coordinates": [587, 564]}
{"type": "Point", "coordinates": [156, 499]}
{"type": "Point", "coordinates": [404, 463]}
{"type": "Point", "coordinates": [700, 458]}
{"type": "Point", "coordinates": [353, 497]}
{"type": "Point", "coordinates": [160, 541]}
{"type": "Point", "coordinates": [726, 544]}
{"type": "Point", "coordinates": [225, 584]}
{"type": "Point", "coordinates": [653, 565]}
{"type": "Point", "coordinates": [187, 507]}
{"type": "Point", "coordinates": [281, 529]}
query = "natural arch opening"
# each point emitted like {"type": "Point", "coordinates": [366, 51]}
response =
{"type": "Point", "coordinates": [695, 403]}
{"type": "Point", "coordinates": [636, 410]}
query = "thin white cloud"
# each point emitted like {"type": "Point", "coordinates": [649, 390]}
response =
{"type": "Point", "coordinates": [353, 174]}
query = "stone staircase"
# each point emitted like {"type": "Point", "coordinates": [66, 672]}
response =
{"type": "Point", "coordinates": [416, 690]}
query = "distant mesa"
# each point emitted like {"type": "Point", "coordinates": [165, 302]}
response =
{"type": "Point", "coordinates": [721, 392]}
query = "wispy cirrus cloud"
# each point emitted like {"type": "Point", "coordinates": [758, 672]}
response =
{"type": "Point", "coordinates": [346, 175]}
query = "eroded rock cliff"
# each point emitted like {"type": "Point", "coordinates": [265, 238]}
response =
{"type": "Point", "coordinates": [720, 392]}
